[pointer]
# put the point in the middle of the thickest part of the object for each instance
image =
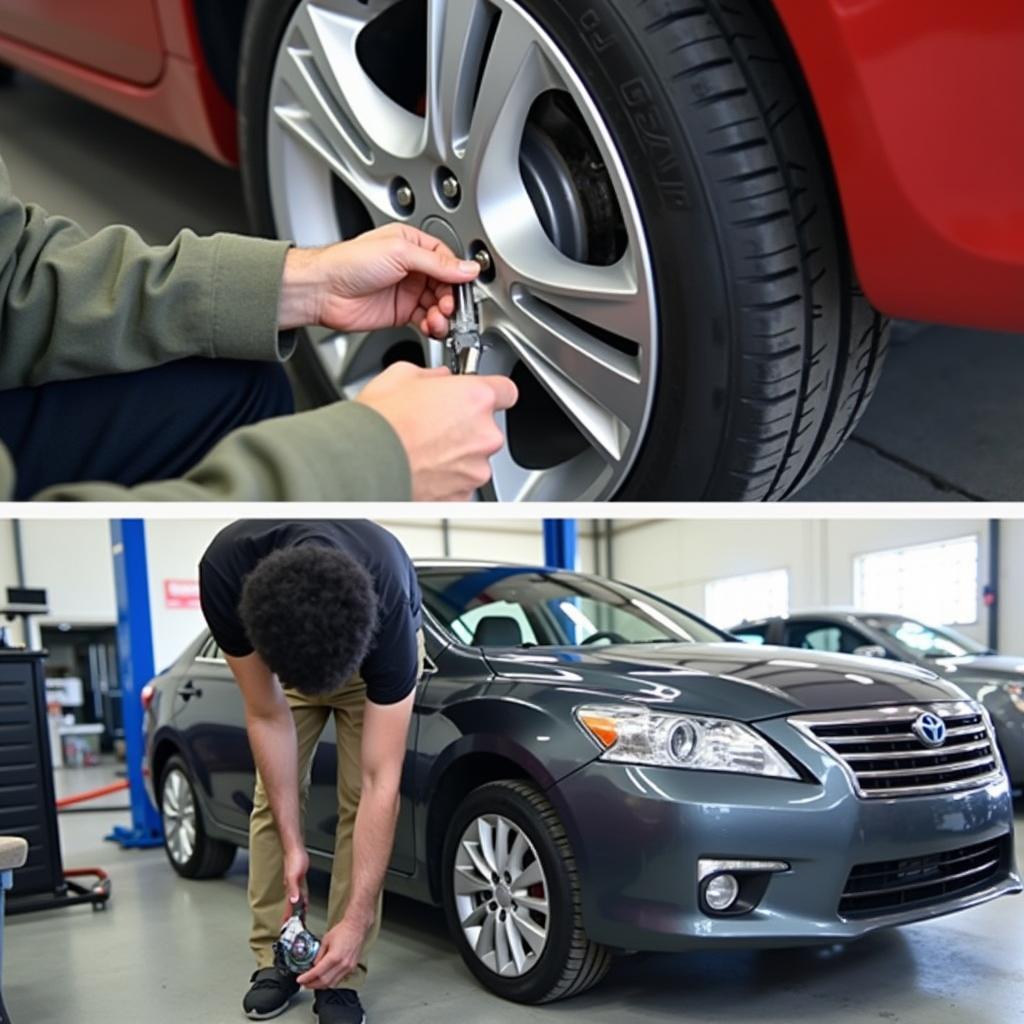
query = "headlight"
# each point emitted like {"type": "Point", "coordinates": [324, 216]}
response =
{"type": "Point", "coordinates": [1015, 691]}
{"type": "Point", "coordinates": [637, 735]}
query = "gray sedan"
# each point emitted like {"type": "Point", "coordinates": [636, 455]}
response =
{"type": "Point", "coordinates": [591, 769]}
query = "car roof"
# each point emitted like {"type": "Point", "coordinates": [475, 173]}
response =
{"type": "Point", "coordinates": [469, 563]}
{"type": "Point", "coordinates": [836, 611]}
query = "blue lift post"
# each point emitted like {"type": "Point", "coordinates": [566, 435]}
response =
{"type": "Point", "coordinates": [135, 661]}
{"type": "Point", "coordinates": [560, 543]}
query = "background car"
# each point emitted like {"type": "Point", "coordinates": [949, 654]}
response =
{"type": "Point", "coordinates": [994, 680]}
{"type": "Point", "coordinates": [591, 769]}
{"type": "Point", "coordinates": [688, 220]}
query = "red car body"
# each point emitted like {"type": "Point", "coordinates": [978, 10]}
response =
{"type": "Point", "coordinates": [919, 102]}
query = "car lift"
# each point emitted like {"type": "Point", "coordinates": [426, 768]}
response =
{"type": "Point", "coordinates": [135, 664]}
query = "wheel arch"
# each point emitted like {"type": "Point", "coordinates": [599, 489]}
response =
{"type": "Point", "coordinates": [455, 782]}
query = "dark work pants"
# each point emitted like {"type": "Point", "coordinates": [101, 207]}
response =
{"type": "Point", "coordinates": [134, 427]}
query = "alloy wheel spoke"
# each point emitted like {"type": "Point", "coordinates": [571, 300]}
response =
{"type": "Point", "coordinates": [531, 902]}
{"type": "Point", "coordinates": [362, 134]}
{"type": "Point", "coordinates": [501, 951]}
{"type": "Point", "coordinates": [468, 880]}
{"type": "Point", "coordinates": [533, 933]}
{"type": "Point", "coordinates": [486, 833]}
{"type": "Point", "coordinates": [484, 947]}
{"type": "Point", "coordinates": [529, 876]}
{"type": "Point", "coordinates": [515, 74]}
{"type": "Point", "coordinates": [456, 38]}
{"type": "Point", "coordinates": [501, 837]}
{"type": "Point", "coordinates": [515, 943]}
{"type": "Point", "coordinates": [519, 849]}
{"type": "Point", "coordinates": [476, 856]}
{"type": "Point", "coordinates": [476, 916]}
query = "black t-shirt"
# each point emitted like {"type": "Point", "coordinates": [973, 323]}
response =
{"type": "Point", "coordinates": [391, 667]}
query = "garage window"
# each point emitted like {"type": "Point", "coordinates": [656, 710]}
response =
{"type": "Point", "coordinates": [758, 595]}
{"type": "Point", "coordinates": [934, 582]}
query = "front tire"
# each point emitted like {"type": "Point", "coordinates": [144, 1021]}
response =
{"type": "Point", "coordinates": [190, 850]}
{"type": "Point", "coordinates": [535, 950]}
{"type": "Point", "coordinates": [760, 353]}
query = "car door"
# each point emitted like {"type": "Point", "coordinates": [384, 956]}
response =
{"type": "Point", "coordinates": [210, 717]}
{"type": "Point", "coordinates": [824, 635]}
{"type": "Point", "coordinates": [115, 37]}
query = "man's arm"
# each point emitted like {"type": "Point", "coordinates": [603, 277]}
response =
{"type": "Point", "coordinates": [385, 728]}
{"type": "Point", "coordinates": [78, 305]}
{"type": "Point", "coordinates": [271, 729]}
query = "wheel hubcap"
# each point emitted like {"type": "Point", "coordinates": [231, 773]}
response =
{"type": "Point", "coordinates": [179, 815]}
{"type": "Point", "coordinates": [501, 895]}
{"type": "Point", "coordinates": [501, 150]}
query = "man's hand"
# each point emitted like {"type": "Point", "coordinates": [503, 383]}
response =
{"type": "Point", "coordinates": [389, 277]}
{"type": "Point", "coordinates": [445, 423]}
{"type": "Point", "coordinates": [296, 867]}
{"type": "Point", "coordinates": [338, 956]}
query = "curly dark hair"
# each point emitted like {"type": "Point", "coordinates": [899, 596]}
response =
{"type": "Point", "coordinates": [310, 612]}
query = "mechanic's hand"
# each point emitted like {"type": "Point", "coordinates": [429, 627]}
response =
{"type": "Point", "coordinates": [445, 423]}
{"type": "Point", "coordinates": [296, 866]}
{"type": "Point", "coordinates": [389, 277]}
{"type": "Point", "coordinates": [338, 956]}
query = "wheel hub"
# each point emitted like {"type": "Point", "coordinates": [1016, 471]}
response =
{"type": "Point", "coordinates": [503, 896]}
{"type": "Point", "coordinates": [443, 230]}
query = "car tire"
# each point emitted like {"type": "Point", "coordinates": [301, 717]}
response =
{"type": "Point", "coordinates": [190, 850]}
{"type": "Point", "coordinates": [768, 352]}
{"type": "Point", "coordinates": [569, 962]}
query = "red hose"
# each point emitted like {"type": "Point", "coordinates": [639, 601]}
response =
{"type": "Point", "coordinates": [92, 794]}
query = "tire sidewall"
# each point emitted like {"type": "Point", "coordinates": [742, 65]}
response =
{"type": "Point", "coordinates": [533, 986]}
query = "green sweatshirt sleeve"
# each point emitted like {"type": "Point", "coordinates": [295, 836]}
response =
{"type": "Point", "coordinates": [342, 452]}
{"type": "Point", "coordinates": [78, 305]}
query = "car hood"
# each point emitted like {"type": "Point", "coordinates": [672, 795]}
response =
{"type": "Point", "coordinates": [732, 680]}
{"type": "Point", "coordinates": [1004, 667]}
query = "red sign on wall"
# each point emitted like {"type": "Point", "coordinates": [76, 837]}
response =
{"type": "Point", "coordinates": [181, 594]}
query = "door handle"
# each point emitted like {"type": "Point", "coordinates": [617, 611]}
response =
{"type": "Point", "coordinates": [189, 690]}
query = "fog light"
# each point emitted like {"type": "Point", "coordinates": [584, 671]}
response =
{"type": "Point", "coordinates": [721, 892]}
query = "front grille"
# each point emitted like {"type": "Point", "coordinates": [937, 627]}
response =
{"type": "Point", "coordinates": [886, 758]}
{"type": "Point", "coordinates": [893, 886]}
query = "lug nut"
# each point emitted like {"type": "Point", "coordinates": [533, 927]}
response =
{"type": "Point", "coordinates": [450, 187]}
{"type": "Point", "coordinates": [483, 257]}
{"type": "Point", "coordinates": [404, 196]}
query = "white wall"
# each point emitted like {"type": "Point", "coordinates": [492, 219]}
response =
{"type": "Point", "coordinates": [173, 550]}
{"type": "Point", "coordinates": [1011, 586]}
{"type": "Point", "coordinates": [9, 575]}
{"type": "Point", "coordinates": [677, 558]}
{"type": "Point", "coordinates": [72, 560]}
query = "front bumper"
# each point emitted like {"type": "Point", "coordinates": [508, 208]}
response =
{"type": "Point", "coordinates": [638, 833]}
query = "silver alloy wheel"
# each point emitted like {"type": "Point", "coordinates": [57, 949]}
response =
{"type": "Point", "coordinates": [586, 332]}
{"type": "Point", "coordinates": [179, 814]}
{"type": "Point", "coordinates": [501, 895]}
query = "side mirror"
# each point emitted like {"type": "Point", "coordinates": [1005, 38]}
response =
{"type": "Point", "coordinates": [870, 651]}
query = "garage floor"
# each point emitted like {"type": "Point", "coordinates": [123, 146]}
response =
{"type": "Point", "coordinates": [179, 950]}
{"type": "Point", "coordinates": [938, 429]}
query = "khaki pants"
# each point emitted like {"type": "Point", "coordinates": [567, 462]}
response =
{"type": "Point", "coordinates": [266, 861]}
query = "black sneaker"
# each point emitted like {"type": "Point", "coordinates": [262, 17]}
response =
{"type": "Point", "coordinates": [270, 994]}
{"type": "Point", "coordinates": [338, 1006]}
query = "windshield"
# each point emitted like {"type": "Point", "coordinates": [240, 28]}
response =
{"type": "Point", "coordinates": [506, 606]}
{"type": "Point", "coordinates": [926, 641]}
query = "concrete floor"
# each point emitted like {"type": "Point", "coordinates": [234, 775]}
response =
{"type": "Point", "coordinates": [937, 429]}
{"type": "Point", "coordinates": [175, 952]}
